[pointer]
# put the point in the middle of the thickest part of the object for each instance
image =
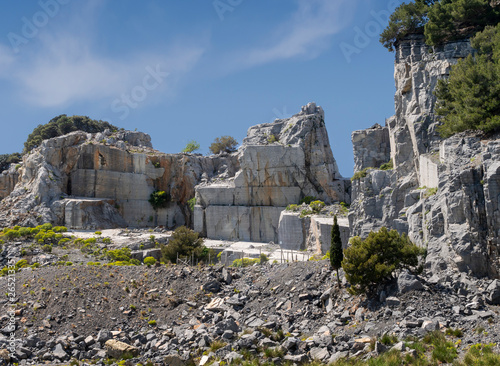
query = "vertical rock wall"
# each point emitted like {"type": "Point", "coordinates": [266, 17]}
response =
{"type": "Point", "coordinates": [443, 193]}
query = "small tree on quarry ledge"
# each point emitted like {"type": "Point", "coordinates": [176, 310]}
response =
{"type": "Point", "coordinates": [223, 144]}
{"type": "Point", "coordinates": [371, 262]}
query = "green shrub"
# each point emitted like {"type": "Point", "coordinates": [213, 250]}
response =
{"type": "Point", "coordinates": [152, 323]}
{"type": "Point", "coordinates": [387, 166]}
{"type": "Point", "coordinates": [159, 199]}
{"type": "Point", "coordinates": [106, 240]}
{"type": "Point", "coordinates": [150, 261]}
{"type": "Point", "coordinates": [192, 203]}
{"type": "Point", "coordinates": [292, 207]}
{"type": "Point", "coordinates": [60, 229]}
{"type": "Point", "coordinates": [184, 242]}
{"type": "Point", "coordinates": [191, 147]}
{"type": "Point", "coordinates": [223, 144]}
{"type": "Point", "coordinates": [360, 174]}
{"type": "Point", "coordinates": [245, 262]}
{"type": "Point", "coordinates": [12, 234]}
{"type": "Point", "coordinates": [263, 258]}
{"type": "Point", "coordinates": [307, 200]}
{"type": "Point", "coordinates": [317, 206]}
{"type": "Point", "coordinates": [89, 241]}
{"type": "Point", "coordinates": [370, 262]}
{"type": "Point", "coordinates": [63, 241]}
{"type": "Point", "coordinates": [46, 227]}
{"type": "Point", "coordinates": [271, 139]}
{"type": "Point", "coordinates": [98, 233]}
{"type": "Point", "coordinates": [47, 248]}
{"type": "Point", "coordinates": [119, 255]}
{"type": "Point", "coordinates": [25, 232]}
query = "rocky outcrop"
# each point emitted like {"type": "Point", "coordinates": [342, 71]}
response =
{"type": "Point", "coordinates": [105, 180]}
{"type": "Point", "coordinates": [279, 163]}
{"type": "Point", "coordinates": [443, 193]}
{"type": "Point", "coordinates": [371, 147]}
{"type": "Point", "coordinates": [311, 233]}
{"type": "Point", "coordinates": [8, 180]}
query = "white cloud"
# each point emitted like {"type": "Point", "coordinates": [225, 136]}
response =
{"type": "Point", "coordinates": [65, 70]}
{"type": "Point", "coordinates": [305, 33]}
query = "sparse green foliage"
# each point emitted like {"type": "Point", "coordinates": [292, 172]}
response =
{"type": "Point", "coordinates": [149, 261]}
{"type": "Point", "coordinates": [307, 200]}
{"type": "Point", "coordinates": [271, 139]}
{"type": "Point", "coordinates": [468, 100]}
{"type": "Point", "coordinates": [360, 174]}
{"type": "Point", "coordinates": [370, 262]}
{"type": "Point", "coordinates": [191, 147]}
{"type": "Point", "coordinates": [184, 242]}
{"type": "Point", "coordinates": [336, 252]}
{"type": "Point", "coordinates": [192, 203]}
{"type": "Point", "coordinates": [223, 144]}
{"type": "Point", "coordinates": [245, 262]}
{"type": "Point", "coordinates": [387, 166]}
{"type": "Point", "coordinates": [159, 199]}
{"type": "Point", "coordinates": [120, 255]}
{"type": "Point", "coordinates": [7, 159]}
{"type": "Point", "coordinates": [62, 125]}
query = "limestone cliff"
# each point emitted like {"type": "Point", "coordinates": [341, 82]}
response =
{"type": "Point", "coordinates": [444, 194]}
{"type": "Point", "coordinates": [105, 180]}
{"type": "Point", "coordinates": [280, 163]}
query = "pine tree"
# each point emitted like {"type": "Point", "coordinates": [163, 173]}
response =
{"type": "Point", "coordinates": [336, 252]}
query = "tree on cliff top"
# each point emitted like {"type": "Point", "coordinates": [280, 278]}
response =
{"type": "Point", "coordinates": [468, 99]}
{"type": "Point", "coordinates": [440, 20]}
{"type": "Point", "coordinates": [62, 125]}
{"type": "Point", "coordinates": [223, 144]}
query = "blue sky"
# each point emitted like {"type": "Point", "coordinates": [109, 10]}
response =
{"type": "Point", "coordinates": [194, 69]}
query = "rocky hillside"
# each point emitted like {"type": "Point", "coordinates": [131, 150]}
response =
{"type": "Point", "coordinates": [443, 193]}
{"type": "Point", "coordinates": [291, 312]}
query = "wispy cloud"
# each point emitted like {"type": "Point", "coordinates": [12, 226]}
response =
{"type": "Point", "coordinates": [63, 67]}
{"type": "Point", "coordinates": [67, 70]}
{"type": "Point", "coordinates": [305, 33]}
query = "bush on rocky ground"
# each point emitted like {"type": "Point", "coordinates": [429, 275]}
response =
{"type": "Point", "coordinates": [185, 243]}
{"type": "Point", "coordinates": [371, 262]}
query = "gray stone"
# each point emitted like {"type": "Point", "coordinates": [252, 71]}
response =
{"type": "Point", "coordinates": [393, 301]}
{"type": "Point", "coordinates": [493, 290]}
{"type": "Point", "coordinates": [320, 354]}
{"type": "Point", "coordinates": [408, 282]}
{"type": "Point", "coordinates": [59, 352]}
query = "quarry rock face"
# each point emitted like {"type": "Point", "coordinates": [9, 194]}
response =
{"type": "Point", "coordinates": [105, 180]}
{"type": "Point", "coordinates": [442, 193]}
{"type": "Point", "coordinates": [279, 163]}
{"type": "Point", "coordinates": [8, 180]}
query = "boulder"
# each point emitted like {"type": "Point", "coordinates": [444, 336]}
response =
{"type": "Point", "coordinates": [408, 282]}
{"type": "Point", "coordinates": [119, 350]}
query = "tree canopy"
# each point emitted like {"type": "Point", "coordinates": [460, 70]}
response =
{"type": "Point", "coordinates": [468, 99]}
{"type": "Point", "coordinates": [370, 262]}
{"type": "Point", "coordinates": [439, 20]}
